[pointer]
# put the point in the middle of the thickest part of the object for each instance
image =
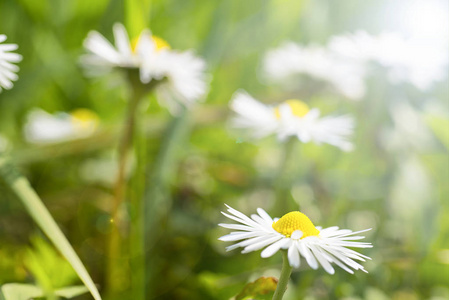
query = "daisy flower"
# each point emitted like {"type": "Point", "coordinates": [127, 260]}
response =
{"type": "Point", "coordinates": [180, 75]}
{"type": "Point", "coordinates": [42, 127]}
{"type": "Point", "coordinates": [346, 76]}
{"type": "Point", "coordinates": [295, 233]}
{"type": "Point", "coordinates": [7, 68]}
{"type": "Point", "coordinates": [291, 118]}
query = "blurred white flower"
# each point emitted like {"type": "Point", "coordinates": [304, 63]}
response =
{"type": "Point", "coordinates": [344, 61]}
{"type": "Point", "coordinates": [4, 143]}
{"type": "Point", "coordinates": [181, 74]}
{"type": "Point", "coordinates": [291, 118]}
{"type": "Point", "coordinates": [346, 76]}
{"type": "Point", "coordinates": [412, 60]}
{"type": "Point", "coordinates": [295, 233]}
{"type": "Point", "coordinates": [42, 127]}
{"type": "Point", "coordinates": [7, 68]}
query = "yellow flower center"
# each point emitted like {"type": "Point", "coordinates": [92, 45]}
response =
{"type": "Point", "coordinates": [298, 108]}
{"type": "Point", "coordinates": [293, 221]}
{"type": "Point", "coordinates": [84, 118]}
{"type": "Point", "coordinates": [158, 42]}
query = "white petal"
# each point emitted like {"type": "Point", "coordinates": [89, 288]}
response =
{"type": "Point", "coordinates": [268, 241]}
{"type": "Point", "coordinates": [293, 255]}
{"type": "Point", "coordinates": [272, 249]}
{"type": "Point", "coordinates": [296, 235]}
{"type": "Point", "coordinates": [323, 261]}
{"type": "Point", "coordinates": [304, 250]}
{"type": "Point", "coordinates": [122, 40]}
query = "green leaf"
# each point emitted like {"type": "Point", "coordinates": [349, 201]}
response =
{"type": "Point", "coordinates": [22, 291]}
{"type": "Point", "coordinates": [19, 291]}
{"type": "Point", "coordinates": [262, 286]}
{"type": "Point", "coordinates": [72, 291]}
{"type": "Point", "coordinates": [37, 210]}
{"type": "Point", "coordinates": [137, 16]}
{"type": "Point", "coordinates": [50, 270]}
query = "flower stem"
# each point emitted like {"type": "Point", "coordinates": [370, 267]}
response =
{"type": "Point", "coordinates": [285, 276]}
{"type": "Point", "coordinates": [118, 227]}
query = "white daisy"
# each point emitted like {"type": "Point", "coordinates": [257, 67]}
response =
{"type": "Point", "coordinates": [290, 59]}
{"type": "Point", "coordinates": [7, 68]}
{"type": "Point", "coordinates": [181, 74]}
{"type": "Point", "coordinates": [291, 118]}
{"type": "Point", "coordinates": [295, 233]}
{"type": "Point", "coordinates": [42, 127]}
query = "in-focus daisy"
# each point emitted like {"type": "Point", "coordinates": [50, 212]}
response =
{"type": "Point", "coordinates": [42, 127]}
{"type": "Point", "coordinates": [181, 75]}
{"type": "Point", "coordinates": [295, 233]}
{"type": "Point", "coordinates": [291, 118]}
{"type": "Point", "coordinates": [346, 76]}
{"type": "Point", "coordinates": [7, 68]}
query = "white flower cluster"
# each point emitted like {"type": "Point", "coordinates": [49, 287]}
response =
{"type": "Point", "coordinates": [8, 69]}
{"type": "Point", "coordinates": [182, 74]}
{"type": "Point", "coordinates": [411, 60]}
{"type": "Point", "coordinates": [344, 61]}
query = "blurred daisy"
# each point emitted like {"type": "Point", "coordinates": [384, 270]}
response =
{"type": "Point", "coordinates": [42, 127]}
{"type": "Point", "coordinates": [7, 68]}
{"type": "Point", "coordinates": [181, 75]}
{"type": "Point", "coordinates": [412, 60]}
{"type": "Point", "coordinates": [346, 76]}
{"type": "Point", "coordinates": [291, 118]}
{"type": "Point", "coordinates": [295, 233]}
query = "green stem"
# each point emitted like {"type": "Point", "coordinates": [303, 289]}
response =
{"type": "Point", "coordinates": [137, 184]}
{"type": "Point", "coordinates": [285, 276]}
{"type": "Point", "coordinates": [117, 223]}
{"type": "Point", "coordinates": [116, 264]}
{"type": "Point", "coordinates": [21, 187]}
{"type": "Point", "coordinates": [157, 200]}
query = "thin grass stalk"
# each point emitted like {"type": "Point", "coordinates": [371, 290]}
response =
{"type": "Point", "coordinates": [21, 187]}
{"type": "Point", "coordinates": [157, 200]}
{"type": "Point", "coordinates": [136, 217]}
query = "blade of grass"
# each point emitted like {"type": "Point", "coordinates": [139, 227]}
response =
{"type": "Point", "coordinates": [137, 14]}
{"type": "Point", "coordinates": [157, 199]}
{"type": "Point", "coordinates": [21, 187]}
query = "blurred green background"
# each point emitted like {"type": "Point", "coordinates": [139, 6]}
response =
{"type": "Point", "coordinates": [395, 181]}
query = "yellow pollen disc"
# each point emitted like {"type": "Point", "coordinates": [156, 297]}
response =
{"type": "Point", "coordinates": [158, 42]}
{"type": "Point", "coordinates": [298, 108]}
{"type": "Point", "coordinates": [84, 118]}
{"type": "Point", "coordinates": [293, 221]}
